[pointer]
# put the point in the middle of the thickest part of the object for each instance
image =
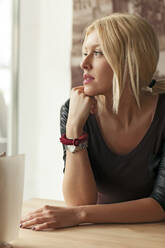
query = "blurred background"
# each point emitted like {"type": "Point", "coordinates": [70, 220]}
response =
{"type": "Point", "coordinates": [40, 53]}
{"type": "Point", "coordinates": [85, 11]}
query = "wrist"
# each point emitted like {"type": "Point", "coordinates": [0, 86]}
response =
{"type": "Point", "coordinates": [73, 132]}
{"type": "Point", "coordinates": [81, 214]}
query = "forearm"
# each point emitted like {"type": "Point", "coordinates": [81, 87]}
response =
{"type": "Point", "coordinates": [79, 187]}
{"type": "Point", "coordinates": [137, 211]}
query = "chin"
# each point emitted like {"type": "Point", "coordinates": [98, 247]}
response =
{"type": "Point", "coordinates": [90, 92]}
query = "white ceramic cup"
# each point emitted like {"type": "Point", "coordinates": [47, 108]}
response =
{"type": "Point", "coordinates": [11, 197]}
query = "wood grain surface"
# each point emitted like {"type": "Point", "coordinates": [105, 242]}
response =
{"type": "Point", "coordinates": [89, 235]}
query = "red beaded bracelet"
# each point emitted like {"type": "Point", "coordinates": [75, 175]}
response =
{"type": "Point", "coordinates": [64, 140]}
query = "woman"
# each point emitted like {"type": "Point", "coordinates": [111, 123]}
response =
{"type": "Point", "coordinates": [121, 109]}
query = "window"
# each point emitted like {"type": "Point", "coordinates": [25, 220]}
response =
{"type": "Point", "coordinates": [8, 34]}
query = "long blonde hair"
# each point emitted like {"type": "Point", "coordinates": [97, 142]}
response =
{"type": "Point", "coordinates": [131, 48]}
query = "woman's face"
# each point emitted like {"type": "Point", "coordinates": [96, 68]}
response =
{"type": "Point", "coordinates": [97, 72]}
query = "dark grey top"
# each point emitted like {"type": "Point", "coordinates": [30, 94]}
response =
{"type": "Point", "coordinates": [138, 174]}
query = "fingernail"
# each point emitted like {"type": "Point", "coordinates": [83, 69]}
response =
{"type": "Point", "coordinates": [33, 228]}
{"type": "Point", "coordinates": [20, 225]}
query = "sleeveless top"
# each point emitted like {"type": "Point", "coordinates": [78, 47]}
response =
{"type": "Point", "coordinates": [136, 175]}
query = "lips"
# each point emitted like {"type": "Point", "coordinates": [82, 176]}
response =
{"type": "Point", "coordinates": [87, 78]}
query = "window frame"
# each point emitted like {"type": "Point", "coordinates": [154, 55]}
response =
{"type": "Point", "coordinates": [12, 123]}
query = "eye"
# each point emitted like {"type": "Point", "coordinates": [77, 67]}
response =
{"type": "Point", "coordinates": [84, 54]}
{"type": "Point", "coordinates": [98, 53]}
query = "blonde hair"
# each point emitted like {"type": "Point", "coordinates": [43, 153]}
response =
{"type": "Point", "coordinates": [131, 48]}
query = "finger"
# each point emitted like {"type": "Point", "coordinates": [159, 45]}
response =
{"type": "Point", "coordinates": [48, 207]}
{"type": "Point", "coordinates": [30, 217]}
{"type": "Point", "coordinates": [78, 87]}
{"type": "Point", "coordinates": [80, 92]}
{"type": "Point", "coordinates": [36, 211]}
{"type": "Point", "coordinates": [35, 221]}
{"type": "Point", "coordinates": [46, 225]}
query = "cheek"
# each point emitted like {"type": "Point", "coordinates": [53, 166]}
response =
{"type": "Point", "coordinates": [104, 71]}
{"type": "Point", "coordinates": [105, 77]}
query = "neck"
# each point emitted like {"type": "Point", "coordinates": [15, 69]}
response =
{"type": "Point", "coordinates": [128, 111]}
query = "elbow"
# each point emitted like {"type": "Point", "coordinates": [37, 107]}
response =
{"type": "Point", "coordinates": [159, 210]}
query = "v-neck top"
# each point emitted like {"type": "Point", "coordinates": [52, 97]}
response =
{"type": "Point", "coordinates": [139, 145]}
{"type": "Point", "coordinates": [130, 176]}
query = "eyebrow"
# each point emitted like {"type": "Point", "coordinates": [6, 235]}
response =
{"type": "Point", "coordinates": [94, 46]}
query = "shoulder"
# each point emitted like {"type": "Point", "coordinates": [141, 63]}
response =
{"type": "Point", "coordinates": [160, 113]}
{"type": "Point", "coordinates": [65, 106]}
{"type": "Point", "coordinates": [65, 109]}
{"type": "Point", "coordinates": [160, 107]}
{"type": "Point", "coordinates": [64, 115]}
{"type": "Point", "coordinates": [162, 99]}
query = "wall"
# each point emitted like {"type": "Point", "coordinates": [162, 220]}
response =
{"type": "Point", "coordinates": [85, 12]}
{"type": "Point", "coordinates": [44, 84]}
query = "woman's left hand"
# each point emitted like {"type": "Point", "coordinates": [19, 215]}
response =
{"type": "Point", "coordinates": [52, 217]}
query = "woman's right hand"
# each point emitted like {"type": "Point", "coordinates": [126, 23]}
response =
{"type": "Point", "coordinates": [80, 107]}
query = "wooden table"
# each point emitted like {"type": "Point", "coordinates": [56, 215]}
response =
{"type": "Point", "coordinates": [91, 236]}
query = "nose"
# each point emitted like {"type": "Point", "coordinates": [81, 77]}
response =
{"type": "Point", "coordinates": [86, 63]}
